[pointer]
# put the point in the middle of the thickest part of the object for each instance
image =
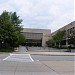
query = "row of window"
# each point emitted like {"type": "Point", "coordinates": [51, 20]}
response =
{"type": "Point", "coordinates": [33, 35]}
{"type": "Point", "coordinates": [71, 31]}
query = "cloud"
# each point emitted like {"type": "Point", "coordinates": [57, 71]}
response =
{"type": "Point", "coordinates": [48, 14]}
{"type": "Point", "coordinates": [61, 21]}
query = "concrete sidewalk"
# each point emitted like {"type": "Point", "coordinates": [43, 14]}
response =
{"type": "Point", "coordinates": [43, 53]}
{"type": "Point", "coordinates": [53, 53]}
{"type": "Point", "coordinates": [37, 68]}
{"type": "Point", "coordinates": [23, 50]}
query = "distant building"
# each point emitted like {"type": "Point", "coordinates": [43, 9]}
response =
{"type": "Point", "coordinates": [36, 37]}
{"type": "Point", "coordinates": [70, 29]}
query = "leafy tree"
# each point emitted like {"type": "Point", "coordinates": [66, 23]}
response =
{"type": "Point", "coordinates": [50, 43]}
{"type": "Point", "coordinates": [59, 36]}
{"type": "Point", "coordinates": [10, 27]}
{"type": "Point", "coordinates": [16, 21]}
{"type": "Point", "coordinates": [6, 27]}
{"type": "Point", "coordinates": [21, 39]}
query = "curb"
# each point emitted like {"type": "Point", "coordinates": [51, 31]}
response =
{"type": "Point", "coordinates": [51, 55]}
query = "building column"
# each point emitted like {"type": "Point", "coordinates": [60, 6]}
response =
{"type": "Point", "coordinates": [66, 43]}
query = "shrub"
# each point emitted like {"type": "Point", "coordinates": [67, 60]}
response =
{"type": "Point", "coordinates": [11, 49]}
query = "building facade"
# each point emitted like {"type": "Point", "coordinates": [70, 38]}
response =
{"type": "Point", "coordinates": [69, 30]}
{"type": "Point", "coordinates": [36, 37]}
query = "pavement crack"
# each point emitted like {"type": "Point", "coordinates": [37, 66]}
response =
{"type": "Point", "coordinates": [15, 69]}
{"type": "Point", "coordinates": [51, 68]}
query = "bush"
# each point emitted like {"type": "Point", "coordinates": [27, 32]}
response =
{"type": "Point", "coordinates": [7, 49]}
{"type": "Point", "coordinates": [50, 43]}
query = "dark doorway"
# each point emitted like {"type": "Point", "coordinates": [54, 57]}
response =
{"type": "Point", "coordinates": [34, 42]}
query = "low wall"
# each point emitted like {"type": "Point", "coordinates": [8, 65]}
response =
{"type": "Point", "coordinates": [46, 49]}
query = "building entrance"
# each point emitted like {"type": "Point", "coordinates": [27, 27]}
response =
{"type": "Point", "coordinates": [33, 42]}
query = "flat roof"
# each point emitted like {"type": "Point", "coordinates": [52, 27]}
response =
{"type": "Point", "coordinates": [35, 30]}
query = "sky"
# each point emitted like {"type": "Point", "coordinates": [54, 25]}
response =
{"type": "Point", "coordinates": [43, 14]}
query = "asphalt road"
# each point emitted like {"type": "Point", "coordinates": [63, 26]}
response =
{"type": "Point", "coordinates": [3, 55]}
{"type": "Point", "coordinates": [44, 57]}
{"type": "Point", "coordinates": [48, 58]}
{"type": "Point", "coordinates": [52, 58]}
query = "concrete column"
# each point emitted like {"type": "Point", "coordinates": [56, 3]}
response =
{"type": "Point", "coordinates": [66, 43]}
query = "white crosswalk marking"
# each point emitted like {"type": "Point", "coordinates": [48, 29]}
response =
{"type": "Point", "coordinates": [19, 57]}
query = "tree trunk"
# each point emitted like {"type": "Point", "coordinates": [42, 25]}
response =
{"type": "Point", "coordinates": [59, 44]}
{"type": "Point", "coordinates": [66, 43]}
{"type": "Point", "coordinates": [55, 44]}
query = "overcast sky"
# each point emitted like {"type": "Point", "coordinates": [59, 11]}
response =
{"type": "Point", "coordinates": [43, 14]}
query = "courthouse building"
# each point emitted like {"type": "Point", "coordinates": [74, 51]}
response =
{"type": "Point", "coordinates": [36, 37]}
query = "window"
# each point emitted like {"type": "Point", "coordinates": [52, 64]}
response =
{"type": "Point", "coordinates": [33, 35]}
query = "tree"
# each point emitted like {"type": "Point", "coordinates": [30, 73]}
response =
{"type": "Point", "coordinates": [50, 43]}
{"type": "Point", "coordinates": [6, 27]}
{"type": "Point", "coordinates": [21, 39]}
{"type": "Point", "coordinates": [16, 21]}
{"type": "Point", "coordinates": [10, 28]}
{"type": "Point", "coordinates": [58, 37]}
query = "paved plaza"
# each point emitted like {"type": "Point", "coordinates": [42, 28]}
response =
{"type": "Point", "coordinates": [22, 63]}
{"type": "Point", "coordinates": [37, 68]}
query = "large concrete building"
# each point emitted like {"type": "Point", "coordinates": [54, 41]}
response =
{"type": "Point", "coordinates": [36, 37]}
{"type": "Point", "coordinates": [69, 29]}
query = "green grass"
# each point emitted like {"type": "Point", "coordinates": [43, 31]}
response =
{"type": "Point", "coordinates": [7, 49]}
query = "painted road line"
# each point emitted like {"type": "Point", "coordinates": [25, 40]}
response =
{"type": "Point", "coordinates": [6, 58]}
{"type": "Point", "coordinates": [19, 57]}
{"type": "Point", "coordinates": [31, 57]}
